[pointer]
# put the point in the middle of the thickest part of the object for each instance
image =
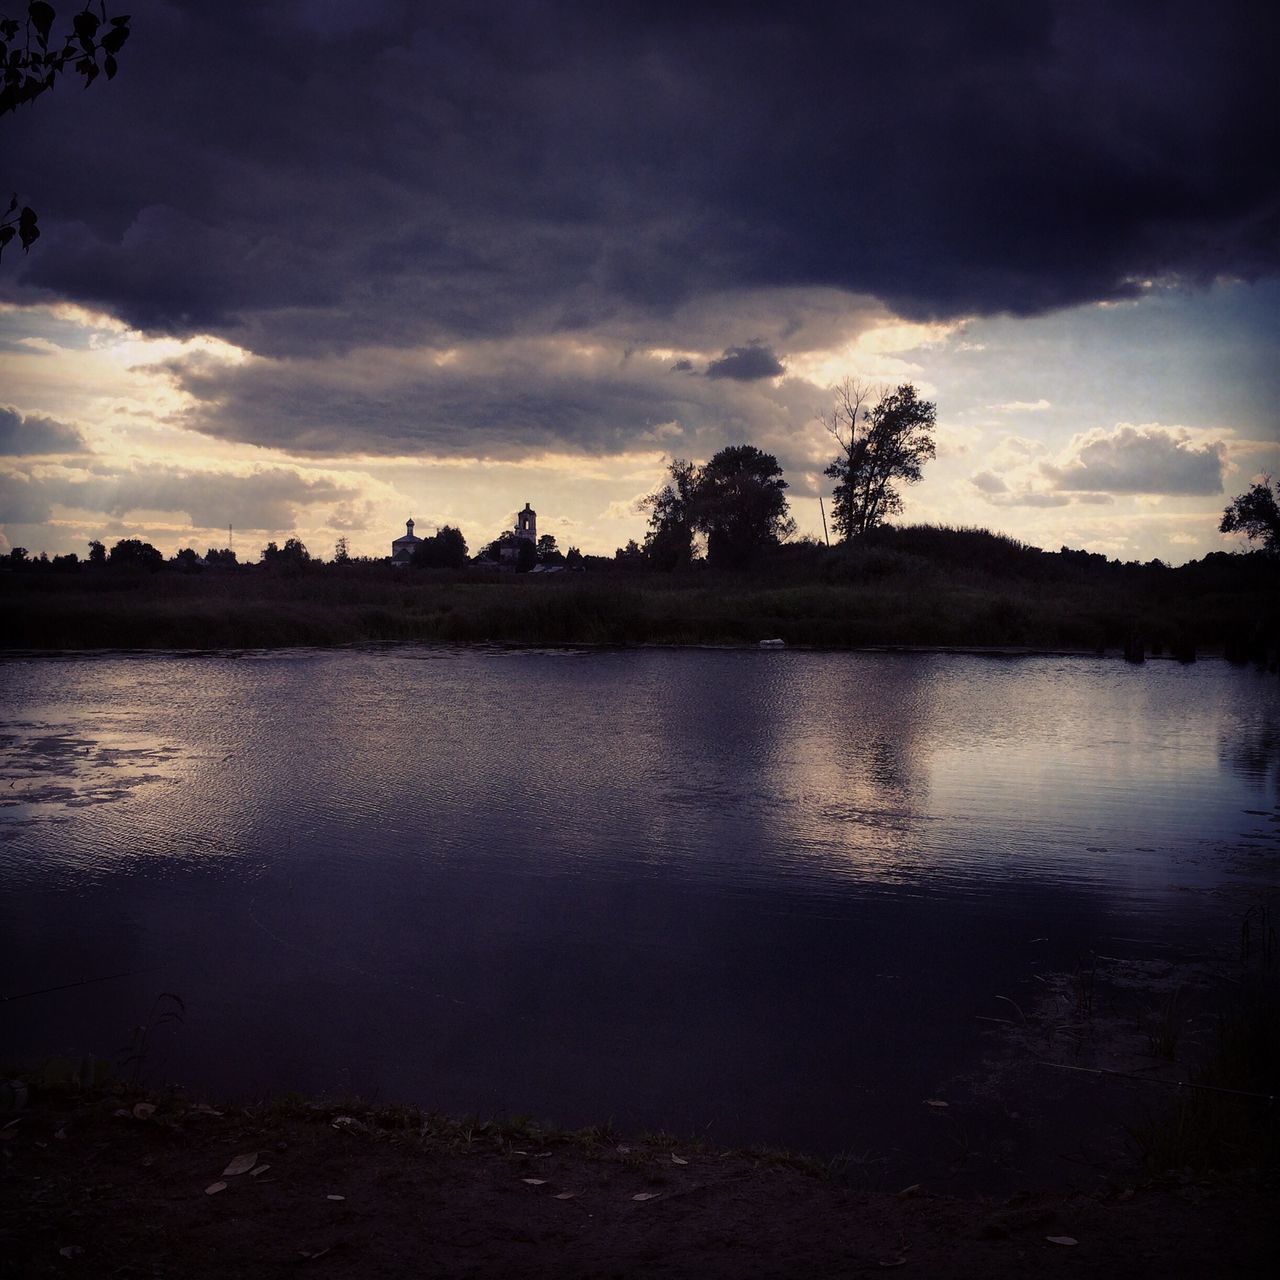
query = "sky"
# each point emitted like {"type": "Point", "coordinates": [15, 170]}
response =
{"type": "Point", "coordinates": [311, 268]}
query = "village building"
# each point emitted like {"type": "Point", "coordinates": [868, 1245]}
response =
{"type": "Point", "coordinates": [526, 530]}
{"type": "Point", "coordinates": [403, 547]}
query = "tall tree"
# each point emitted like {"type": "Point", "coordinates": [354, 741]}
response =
{"type": "Point", "coordinates": [1256, 514]}
{"type": "Point", "coordinates": [739, 501]}
{"type": "Point", "coordinates": [669, 542]}
{"type": "Point", "coordinates": [880, 445]}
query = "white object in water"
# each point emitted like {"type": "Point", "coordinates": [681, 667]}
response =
{"type": "Point", "coordinates": [773, 644]}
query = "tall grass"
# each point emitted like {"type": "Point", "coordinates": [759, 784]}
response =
{"type": "Point", "coordinates": [922, 586]}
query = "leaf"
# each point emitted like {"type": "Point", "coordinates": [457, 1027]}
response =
{"type": "Point", "coordinates": [1062, 1240]}
{"type": "Point", "coordinates": [241, 1164]}
{"type": "Point", "coordinates": [647, 1195]}
{"type": "Point", "coordinates": [109, 66]}
{"type": "Point", "coordinates": [41, 16]}
{"type": "Point", "coordinates": [335, 1197]}
{"type": "Point", "coordinates": [214, 1187]}
{"type": "Point", "coordinates": [935, 1102]}
{"type": "Point", "coordinates": [262, 1168]}
{"type": "Point", "coordinates": [144, 1110]}
{"type": "Point", "coordinates": [6, 234]}
{"type": "Point", "coordinates": [114, 38]}
{"type": "Point", "coordinates": [912, 1190]}
{"type": "Point", "coordinates": [86, 26]}
{"type": "Point", "coordinates": [675, 1159]}
{"type": "Point", "coordinates": [566, 1195]}
{"type": "Point", "coordinates": [535, 1182]}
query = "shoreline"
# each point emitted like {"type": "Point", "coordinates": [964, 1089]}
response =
{"type": "Point", "coordinates": [924, 608]}
{"type": "Point", "coordinates": [587, 646]}
{"type": "Point", "coordinates": [121, 1182]}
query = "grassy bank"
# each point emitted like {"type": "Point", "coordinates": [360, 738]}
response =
{"type": "Point", "coordinates": [949, 590]}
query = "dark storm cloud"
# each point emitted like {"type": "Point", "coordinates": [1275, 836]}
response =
{"type": "Point", "coordinates": [322, 175]}
{"type": "Point", "coordinates": [34, 437]}
{"type": "Point", "coordinates": [496, 400]}
{"type": "Point", "coordinates": [746, 364]}
{"type": "Point", "coordinates": [1140, 460]}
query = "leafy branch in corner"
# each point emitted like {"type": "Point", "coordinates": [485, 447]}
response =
{"type": "Point", "coordinates": [30, 63]}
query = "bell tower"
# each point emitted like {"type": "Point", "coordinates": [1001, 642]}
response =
{"type": "Point", "coordinates": [527, 524]}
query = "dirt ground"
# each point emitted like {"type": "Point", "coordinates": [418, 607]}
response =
{"type": "Point", "coordinates": [107, 1185]}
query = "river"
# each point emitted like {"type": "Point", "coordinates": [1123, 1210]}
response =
{"type": "Point", "coordinates": [763, 897]}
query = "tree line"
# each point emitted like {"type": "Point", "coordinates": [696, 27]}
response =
{"type": "Point", "coordinates": [731, 510]}
{"type": "Point", "coordinates": [736, 503]}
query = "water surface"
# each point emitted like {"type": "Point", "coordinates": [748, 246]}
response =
{"type": "Point", "coordinates": [767, 897]}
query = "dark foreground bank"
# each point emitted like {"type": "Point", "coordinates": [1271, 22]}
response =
{"type": "Point", "coordinates": [111, 1185]}
{"type": "Point", "coordinates": [950, 590]}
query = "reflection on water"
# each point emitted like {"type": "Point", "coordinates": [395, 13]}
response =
{"type": "Point", "coordinates": [1253, 750]}
{"type": "Point", "coordinates": [764, 893]}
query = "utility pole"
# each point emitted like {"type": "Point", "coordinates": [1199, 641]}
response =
{"type": "Point", "coordinates": [825, 534]}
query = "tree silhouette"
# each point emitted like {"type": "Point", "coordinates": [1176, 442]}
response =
{"type": "Point", "coordinates": [739, 502]}
{"type": "Point", "coordinates": [133, 553]}
{"type": "Point", "coordinates": [293, 555]}
{"type": "Point", "coordinates": [886, 442]}
{"type": "Point", "coordinates": [447, 550]}
{"type": "Point", "coordinates": [1256, 514]}
{"type": "Point", "coordinates": [669, 542]}
{"type": "Point", "coordinates": [31, 66]}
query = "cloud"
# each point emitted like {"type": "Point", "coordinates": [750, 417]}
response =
{"type": "Point", "coordinates": [488, 399]}
{"type": "Point", "coordinates": [1140, 460]}
{"type": "Point", "coordinates": [988, 482]}
{"type": "Point", "coordinates": [1029, 498]}
{"type": "Point", "coordinates": [1023, 406]}
{"type": "Point", "coordinates": [447, 173]}
{"type": "Point", "coordinates": [22, 500]}
{"type": "Point", "coordinates": [266, 500]}
{"type": "Point", "coordinates": [746, 364]}
{"type": "Point", "coordinates": [33, 436]}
